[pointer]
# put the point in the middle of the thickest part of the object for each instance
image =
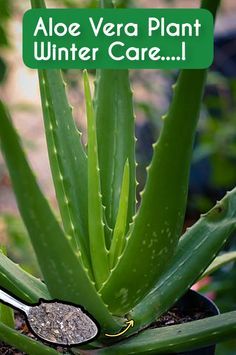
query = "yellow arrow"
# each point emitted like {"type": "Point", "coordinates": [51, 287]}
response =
{"type": "Point", "coordinates": [130, 324]}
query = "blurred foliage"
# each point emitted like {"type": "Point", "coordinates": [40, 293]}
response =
{"type": "Point", "coordinates": [91, 3]}
{"type": "Point", "coordinates": [5, 11]}
{"type": "Point", "coordinates": [226, 348]}
{"type": "Point", "coordinates": [15, 237]}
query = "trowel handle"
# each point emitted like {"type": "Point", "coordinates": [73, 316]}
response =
{"type": "Point", "coordinates": [11, 301]}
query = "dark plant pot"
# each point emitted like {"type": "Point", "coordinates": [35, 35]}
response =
{"type": "Point", "coordinates": [192, 300]}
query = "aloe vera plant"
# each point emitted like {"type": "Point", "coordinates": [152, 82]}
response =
{"type": "Point", "coordinates": [120, 262]}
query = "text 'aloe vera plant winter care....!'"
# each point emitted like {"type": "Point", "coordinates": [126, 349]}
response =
{"type": "Point", "coordinates": [122, 263]}
{"type": "Point", "coordinates": [118, 38]}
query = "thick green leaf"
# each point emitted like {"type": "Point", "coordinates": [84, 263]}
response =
{"type": "Point", "coordinates": [108, 105]}
{"type": "Point", "coordinates": [118, 239]}
{"type": "Point", "coordinates": [6, 313]}
{"type": "Point", "coordinates": [159, 221]}
{"type": "Point", "coordinates": [20, 283]}
{"type": "Point", "coordinates": [67, 157]}
{"type": "Point", "coordinates": [197, 248]}
{"type": "Point", "coordinates": [158, 224]}
{"type": "Point", "coordinates": [98, 251]}
{"type": "Point", "coordinates": [178, 338]}
{"type": "Point", "coordinates": [24, 343]}
{"type": "Point", "coordinates": [61, 267]}
{"type": "Point", "coordinates": [116, 142]}
{"type": "Point", "coordinates": [219, 263]}
{"type": "Point", "coordinates": [7, 316]}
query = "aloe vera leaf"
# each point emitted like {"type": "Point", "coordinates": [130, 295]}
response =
{"type": "Point", "coordinates": [118, 239]}
{"type": "Point", "coordinates": [116, 141]}
{"type": "Point", "coordinates": [24, 343]}
{"type": "Point", "coordinates": [159, 221]}
{"type": "Point", "coordinates": [98, 251]}
{"type": "Point", "coordinates": [115, 106]}
{"type": "Point", "coordinates": [61, 267]}
{"type": "Point", "coordinates": [19, 239]}
{"type": "Point", "coordinates": [7, 316]}
{"type": "Point", "coordinates": [6, 313]}
{"type": "Point", "coordinates": [177, 338]}
{"type": "Point", "coordinates": [38, 3]}
{"type": "Point", "coordinates": [21, 283]}
{"type": "Point", "coordinates": [68, 160]}
{"type": "Point", "coordinates": [197, 248]}
{"type": "Point", "coordinates": [219, 262]}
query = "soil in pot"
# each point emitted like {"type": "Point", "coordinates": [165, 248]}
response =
{"type": "Point", "coordinates": [192, 306]}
